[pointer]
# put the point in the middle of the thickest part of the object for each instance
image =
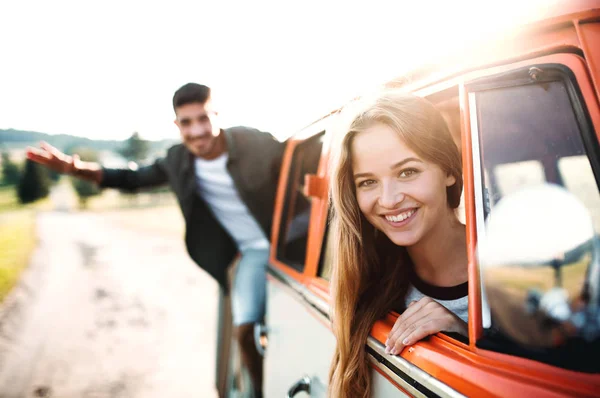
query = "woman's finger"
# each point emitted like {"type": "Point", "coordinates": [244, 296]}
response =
{"type": "Point", "coordinates": [440, 315]}
{"type": "Point", "coordinates": [424, 329]}
{"type": "Point", "coordinates": [412, 308]}
{"type": "Point", "coordinates": [396, 341]}
{"type": "Point", "coordinates": [407, 316]}
{"type": "Point", "coordinates": [445, 322]}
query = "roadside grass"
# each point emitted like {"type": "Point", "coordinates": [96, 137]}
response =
{"type": "Point", "coordinates": [17, 236]}
{"type": "Point", "coordinates": [17, 241]}
{"type": "Point", "coordinates": [9, 201]}
{"type": "Point", "coordinates": [8, 198]}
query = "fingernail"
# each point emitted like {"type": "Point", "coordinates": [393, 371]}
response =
{"type": "Point", "coordinates": [387, 349]}
{"type": "Point", "coordinates": [394, 351]}
{"type": "Point", "coordinates": [405, 341]}
{"type": "Point", "coordinates": [387, 342]}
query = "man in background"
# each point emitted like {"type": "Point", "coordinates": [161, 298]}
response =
{"type": "Point", "coordinates": [225, 181]}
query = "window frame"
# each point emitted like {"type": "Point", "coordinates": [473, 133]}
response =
{"type": "Point", "coordinates": [568, 68]}
{"type": "Point", "coordinates": [285, 174]}
{"type": "Point", "coordinates": [290, 198]}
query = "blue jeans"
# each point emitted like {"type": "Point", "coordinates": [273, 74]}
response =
{"type": "Point", "coordinates": [248, 298]}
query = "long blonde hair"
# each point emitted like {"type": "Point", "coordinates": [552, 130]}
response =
{"type": "Point", "coordinates": [369, 273]}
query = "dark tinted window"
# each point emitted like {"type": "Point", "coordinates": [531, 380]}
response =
{"type": "Point", "coordinates": [295, 216]}
{"type": "Point", "coordinates": [529, 135]}
{"type": "Point", "coordinates": [326, 259]}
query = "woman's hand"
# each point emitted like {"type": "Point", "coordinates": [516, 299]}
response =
{"type": "Point", "coordinates": [421, 319]}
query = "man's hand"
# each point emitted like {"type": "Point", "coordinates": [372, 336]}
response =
{"type": "Point", "coordinates": [54, 159]}
{"type": "Point", "coordinates": [421, 319]}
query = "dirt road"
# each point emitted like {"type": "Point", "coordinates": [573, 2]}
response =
{"type": "Point", "coordinates": [108, 310]}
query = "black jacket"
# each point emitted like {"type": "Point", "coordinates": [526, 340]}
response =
{"type": "Point", "coordinates": [254, 162]}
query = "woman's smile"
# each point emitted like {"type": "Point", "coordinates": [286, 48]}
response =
{"type": "Point", "coordinates": [400, 218]}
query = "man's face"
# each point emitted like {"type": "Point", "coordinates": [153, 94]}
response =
{"type": "Point", "coordinates": [198, 127]}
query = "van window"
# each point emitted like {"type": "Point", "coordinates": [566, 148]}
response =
{"type": "Point", "coordinates": [530, 133]}
{"type": "Point", "coordinates": [326, 259]}
{"type": "Point", "coordinates": [295, 216]}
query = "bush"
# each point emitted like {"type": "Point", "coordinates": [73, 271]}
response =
{"type": "Point", "coordinates": [85, 189]}
{"type": "Point", "coordinates": [34, 183]}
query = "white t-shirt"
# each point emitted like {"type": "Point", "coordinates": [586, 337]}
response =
{"type": "Point", "coordinates": [216, 187]}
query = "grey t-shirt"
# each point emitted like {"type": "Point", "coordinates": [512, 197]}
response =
{"type": "Point", "coordinates": [458, 306]}
{"type": "Point", "coordinates": [454, 298]}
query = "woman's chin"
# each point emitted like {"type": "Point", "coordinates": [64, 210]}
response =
{"type": "Point", "coordinates": [402, 238]}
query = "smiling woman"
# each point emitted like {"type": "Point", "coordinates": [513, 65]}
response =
{"type": "Point", "coordinates": [396, 183]}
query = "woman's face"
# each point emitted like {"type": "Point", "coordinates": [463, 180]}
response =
{"type": "Point", "coordinates": [400, 193]}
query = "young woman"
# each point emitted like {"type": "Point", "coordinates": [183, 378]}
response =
{"type": "Point", "coordinates": [396, 182]}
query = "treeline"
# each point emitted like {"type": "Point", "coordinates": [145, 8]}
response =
{"type": "Point", "coordinates": [32, 181]}
{"type": "Point", "coordinates": [17, 139]}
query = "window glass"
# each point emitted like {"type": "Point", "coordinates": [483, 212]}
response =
{"type": "Point", "coordinates": [295, 216]}
{"type": "Point", "coordinates": [577, 175]}
{"type": "Point", "coordinates": [326, 260]}
{"type": "Point", "coordinates": [529, 134]}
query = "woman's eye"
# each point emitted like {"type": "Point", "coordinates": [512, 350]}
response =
{"type": "Point", "coordinates": [365, 183]}
{"type": "Point", "coordinates": [408, 172]}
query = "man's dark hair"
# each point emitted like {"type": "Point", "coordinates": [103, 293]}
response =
{"type": "Point", "coordinates": [191, 93]}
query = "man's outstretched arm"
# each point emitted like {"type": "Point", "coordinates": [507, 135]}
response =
{"type": "Point", "coordinates": [54, 159]}
{"type": "Point", "coordinates": [126, 179]}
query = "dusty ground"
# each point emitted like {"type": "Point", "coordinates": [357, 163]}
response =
{"type": "Point", "coordinates": [107, 309]}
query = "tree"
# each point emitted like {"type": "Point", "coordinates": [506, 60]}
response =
{"type": "Point", "coordinates": [53, 176]}
{"type": "Point", "coordinates": [10, 171]}
{"type": "Point", "coordinates": [85, 189]}
{"type": "Point", "coordinates": [135, 148]}
{"type": "Point", "coordinates": [34, 183]}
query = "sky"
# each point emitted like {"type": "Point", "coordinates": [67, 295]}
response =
{"type": "Point", "coordinates": [106, 69]}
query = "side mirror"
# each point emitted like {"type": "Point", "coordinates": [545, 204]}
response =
{"type": "Point", "coordinates": [540, 264]}
{"type": "Point", "coordinates": [315, 186]}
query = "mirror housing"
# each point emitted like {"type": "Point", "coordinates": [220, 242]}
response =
{"type": "Point", "coordinates": [315, 186]}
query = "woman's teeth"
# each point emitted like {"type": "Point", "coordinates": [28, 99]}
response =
{"type": "Point", "coordinates": [401, 216]}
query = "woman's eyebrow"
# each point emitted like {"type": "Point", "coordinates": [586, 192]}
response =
{"type": "Point", "coordinates": [394, 166]}
{"type": "Point", "coordinates": [358, 175]}
{"type": "Point", "coordinates": [403, 162]}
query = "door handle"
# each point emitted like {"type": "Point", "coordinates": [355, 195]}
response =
{"type": "Point", "coordinates": [301, 385]}
{"type": "Point", "coordinates": [260, 338]}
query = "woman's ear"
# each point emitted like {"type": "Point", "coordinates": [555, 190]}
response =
{"type": "Point", "coordinates": [450, 180]}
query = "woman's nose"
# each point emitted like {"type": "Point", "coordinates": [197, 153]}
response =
{"type": "Point", "coordinates": [390, 196]}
